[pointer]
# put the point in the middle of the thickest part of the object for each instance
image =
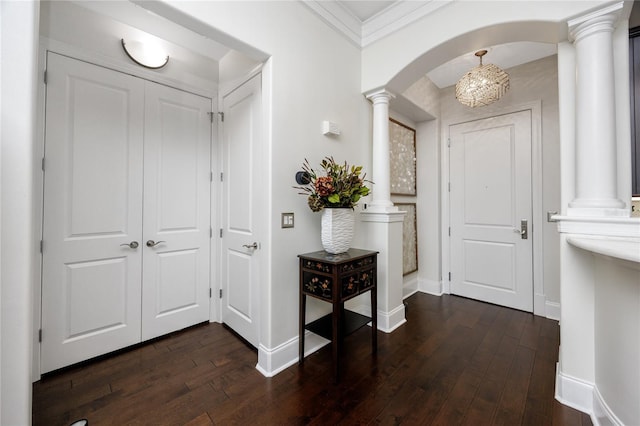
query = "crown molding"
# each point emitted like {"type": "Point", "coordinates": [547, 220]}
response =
{"type": "Point", "coordinates": [396, 16]}
{"type": "Point", "coordinates": [338, 18]}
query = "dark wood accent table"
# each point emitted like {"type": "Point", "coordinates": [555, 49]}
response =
{"type": "Point", "coordinates": [336, 278]}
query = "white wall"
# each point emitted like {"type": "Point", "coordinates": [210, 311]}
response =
{"type": "Point", "coordinates": [18, 59]}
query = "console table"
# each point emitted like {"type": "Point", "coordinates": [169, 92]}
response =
{"type": "Point", "coordinates": [336, 278]}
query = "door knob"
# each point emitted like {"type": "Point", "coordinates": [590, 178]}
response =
{"type": "Point", "coordinates": [152, 243]}
{"type": "Point", "coordinates": [132, 244]}
{"type": "Point", "coordinates": [251, 246]}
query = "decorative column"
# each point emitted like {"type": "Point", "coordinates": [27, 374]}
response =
{"type": "Point", "coordinates": [596, 175]}
{"type": "Point", "coordinates": [381, 193]}
{"type": "Point", "coordinates": [381, 222]}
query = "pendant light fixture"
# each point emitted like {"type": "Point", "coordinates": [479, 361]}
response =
{"type": "Point", "coordinates": [482, 85]}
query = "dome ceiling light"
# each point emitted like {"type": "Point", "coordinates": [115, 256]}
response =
{"type": "Point", "coordinates": [148, 55]}
{"type": "Point", "coordinates": [482, 85]}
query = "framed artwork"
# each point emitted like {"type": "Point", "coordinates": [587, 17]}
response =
{"type": "Point", "coordinates": [402, 158]}
{"type": "Point", "coordinates": [409, 238]}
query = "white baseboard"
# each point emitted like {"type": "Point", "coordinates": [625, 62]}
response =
{"type": "Point", "coordinates": [602, 414]}
{"type": "Point", "coordinates": [552, 310]}
{"type": "Point", "coordinates": [574, 392]}
{"type": "Point", "coordinates": [389, 321]}
{"type": "Point", "coordinates": [585, 397]}
{"type": "Point", "coordinates": [273, 361]}
{"type": "Point", "coordinates": [431, 287]}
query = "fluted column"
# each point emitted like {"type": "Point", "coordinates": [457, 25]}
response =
{"type": "Point", "coordinates": [596, 178]}
{"type": "Point", "coordinates": [381, 192]}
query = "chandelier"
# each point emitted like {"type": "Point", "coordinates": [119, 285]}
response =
{"type": "Point", "coordinates": [482, 85]}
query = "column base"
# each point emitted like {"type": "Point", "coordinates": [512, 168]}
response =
{"type": "Point", "coordinates": [597, 207]}
{"type": "Point", "coordinates": [597, 212]}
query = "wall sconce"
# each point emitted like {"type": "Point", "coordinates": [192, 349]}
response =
{"type": "Point", "coordinates": [302, 178]}
{"type": "Point", "coordinates": [147, 55]}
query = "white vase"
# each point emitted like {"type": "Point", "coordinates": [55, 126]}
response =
{"type": "Point", "coordinates": [337, 229]}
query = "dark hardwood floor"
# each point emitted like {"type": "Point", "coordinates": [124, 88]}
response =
{"type": "Point", "coordinates": [455, 361]}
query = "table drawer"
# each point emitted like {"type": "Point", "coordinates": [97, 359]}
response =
{"type": "Point", "coordinates": [318, 285]}
{"type": "Point", "coordinates": [357, 282]}
{"type": "Point", "coordinates": [356, 264]}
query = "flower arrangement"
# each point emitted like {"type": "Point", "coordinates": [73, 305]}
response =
{"type": "Point", "coordinates": [341, 186]}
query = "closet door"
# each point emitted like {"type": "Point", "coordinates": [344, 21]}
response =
{"type": "Point", "coordinates": [92, 227]}
{"type": "Point", "coordinates": [176, 210]}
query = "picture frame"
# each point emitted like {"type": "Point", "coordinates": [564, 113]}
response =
{"type": "Point", "coordinates": [402, 158]}
{"type": "Point", "coordinates": [409, 238]}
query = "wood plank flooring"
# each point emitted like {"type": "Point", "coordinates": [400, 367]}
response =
{"type": "Point", "coordinates": [455, 361]}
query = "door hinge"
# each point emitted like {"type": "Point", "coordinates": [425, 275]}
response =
{"type": "Point", "coordinates": [220, 232]}
{"type": "Point", "coordinates": [210, 114]}
{"type": "Point", "coordinates": [448, 142]}
{"type": "Point", "coordinates": [221, 177]}
{"type": "Point", "coordinates": [211, 177]}
{"type": "Point", "coordinates": [210, 293]}
{"type": "Point", "coordinates": [220, 293]}
{"type": "Point", "coordinates": [221, 114]}
{"type": "Point", "coordinates": [210, 232]}
{"type": "Point", "coordinates": [449, 231]}
{"type": "Point", "coordinates": [40, 335]}
{"type": "Point", "coordinates": [449, 276]}
{"type": "Point", "coordinates": [44, 76]}
{"type": "Point", "coordinates": [41, 246]}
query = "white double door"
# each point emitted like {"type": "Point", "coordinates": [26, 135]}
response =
{"type": "Point", "coordinates": [126, 228]}
{"type": "Point", "coordinates": [491, 258]}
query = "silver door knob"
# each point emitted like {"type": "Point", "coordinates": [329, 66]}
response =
{"type": "Point", "coordinates": [152, 243]}
{"type": "Point", "coordinates": [251, 246]}
{"type": "Point", "coordinates": [132, 244]}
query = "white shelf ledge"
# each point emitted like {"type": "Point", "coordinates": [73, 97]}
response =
{"type": "Point", "coordinates": [618, 248]}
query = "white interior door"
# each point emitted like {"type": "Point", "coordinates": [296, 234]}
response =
{"type": "Point", "coordinates": [176, 210]}
{"type": "Point", "coordinates": [490, 197]}
{"type": "Point", "coordinates": [241, 209]}
{"type": "Point", "coordinates": [93, 210]}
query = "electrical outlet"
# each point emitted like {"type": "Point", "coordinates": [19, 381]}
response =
{"type": "Point", "coordinates": [287, 220]}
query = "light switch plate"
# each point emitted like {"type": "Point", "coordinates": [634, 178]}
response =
{"type": "Point", "coordinates": [287, 220]}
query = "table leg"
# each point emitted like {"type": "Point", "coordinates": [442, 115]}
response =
{"type": "Point", "coordinates": [374, 319]}
{"type": "Point", "coordinates": [336, 318]}
{"type": "Point", "coordinates": [303, 306]}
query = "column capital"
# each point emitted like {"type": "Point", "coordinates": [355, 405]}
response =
{"type": "Point", "coordinates": [599, 20]}
{"type": "Point", "coordinates": [379, 95]}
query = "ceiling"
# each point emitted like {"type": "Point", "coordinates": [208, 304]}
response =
{"type": "Point", "coordinates": [364, 10]}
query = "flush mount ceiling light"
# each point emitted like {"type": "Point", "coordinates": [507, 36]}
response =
{"type": "Point", "coordinates": [482, 85]}
{"type": "Point", "coordinates": [148, 55]}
